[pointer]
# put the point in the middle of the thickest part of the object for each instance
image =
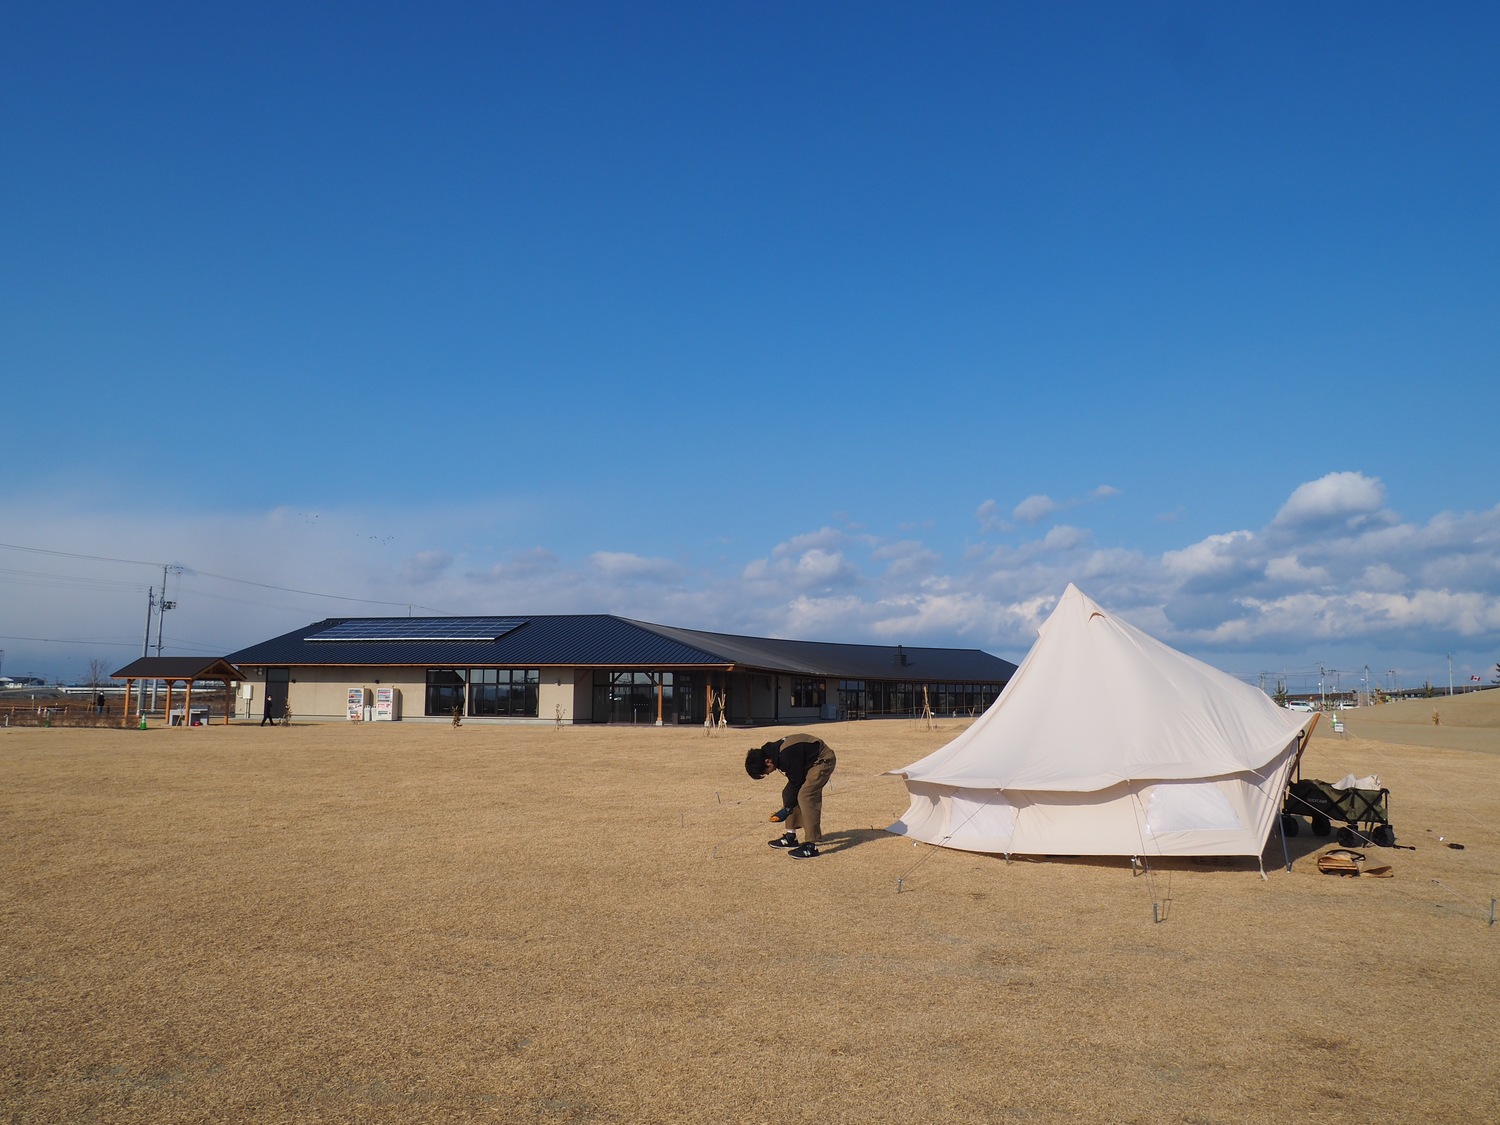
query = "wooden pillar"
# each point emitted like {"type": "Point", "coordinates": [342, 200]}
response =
{"type": "Point", "coordinates": [660, 677]}
{"type": "Point", "coordinates": [187, 704]}
{"type": "Point", "coordinates": [129, 691]}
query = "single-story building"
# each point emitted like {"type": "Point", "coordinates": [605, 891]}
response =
{"type": "Point", "coordinates": [597, 668]}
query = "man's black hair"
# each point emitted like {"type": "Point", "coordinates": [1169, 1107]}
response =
{"type": "Point", "coordinates": [755, 762]}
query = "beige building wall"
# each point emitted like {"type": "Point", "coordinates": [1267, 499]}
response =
{"type": "Point", "coordinates": [583, 695]}
{"type": "Point", "coordinates": [322, 693]}
{"type": "Point", "coordinates": [565, 694]}
{"type": "Point", "coordinates": [779, 701]}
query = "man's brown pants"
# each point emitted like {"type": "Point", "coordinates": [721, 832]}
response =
{"type": "Point", "coordinates": [808, 815]}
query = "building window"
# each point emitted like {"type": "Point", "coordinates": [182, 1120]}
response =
{"type": "Point", "coordinates": [860, 698]}
{"type": "Point", "coordinates": [507, 692]}
{"type": "Point", "coordinates": [807, 692]}
{"type": "Point", "coordinates": [962, 699]}
{"type": "Point", "coordinates": [445, 690]}
{"type": "Point", "coordinates": [631, 697]}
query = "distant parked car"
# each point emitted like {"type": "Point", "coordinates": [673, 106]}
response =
{"type": "Point", "coordinates": [1299, 705]}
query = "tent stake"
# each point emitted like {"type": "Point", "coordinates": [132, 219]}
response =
{"type": "Point", "coordinates": [1492, 912]}
{"type": "Point", "coordinates": [1155, 914]}
{"type": "Point", "coordinates": [902, 879]}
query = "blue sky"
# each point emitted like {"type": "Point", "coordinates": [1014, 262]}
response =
{"type": "Point", "coordinates": [841, 321]}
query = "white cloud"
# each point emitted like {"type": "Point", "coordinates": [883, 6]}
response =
{"type": "Point", "coordinates": [1379, 589]}
{"type": "Point", "coordinates": [621, 566]}
{"type": "Point", "coordinates": [532, 563]}
{"type": "Point", "coordinates": [824, 539]}
{"type": "Point", "coordinates": [805, 616]}
{"type": "Point", "coordinates": [958, 614]}
{"type": "Point", "coordinates": [790, 569]}
{"type": "Point", "coordinates": [1288, 570]}
{"type": "Point", "coordinates": [1033, 508]}
{"type": "Point", "coordinates": [1212, 556]}
{"type": "Point", "coordinates": [1036, 508]}
{"type": "Point", "coordinates": [824, 568]}
{"type": "Point", "coordinates": [1065, 538]}
{"type": "Point", "coordinates": [1381, 578]}
{"type": "Point", "coordinates": [1337, 497]}
{"type": "Point", "coordinates": [425, 566]}
{"type": "Point", "coordinates": [907, 559]}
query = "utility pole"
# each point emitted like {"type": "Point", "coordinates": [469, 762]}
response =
{"type": "Point", "coordinates": [1450, 673]}
{"type": "Point", "coordinates": [161, 616]}
{"type": "Point", "coordinates": [140, 695]}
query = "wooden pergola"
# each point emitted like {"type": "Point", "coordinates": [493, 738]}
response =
{"type": "Point", "coordinates": [186, 670]}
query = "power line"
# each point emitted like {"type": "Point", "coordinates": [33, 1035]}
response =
{"type": "Point", "coordinates": [62, 641]}
{"type": "Point", "coordinates": [202, 573]}
{"type": "Point", "coordinates": [45, 578]}
{"type": "Point", "coordinates": [305, 593]}
{"type": "Point", "coordinates": [73, 555]}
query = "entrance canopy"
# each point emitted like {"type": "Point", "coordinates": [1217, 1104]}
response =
{"type": "Point", "coordinates": [174, 670]}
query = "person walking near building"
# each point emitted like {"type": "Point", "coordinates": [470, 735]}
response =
{"type": "Point", "coordinates": [808, 763]}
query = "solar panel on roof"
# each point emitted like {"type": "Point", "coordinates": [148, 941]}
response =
{"type": "Point", "coordinates": [420, 629]}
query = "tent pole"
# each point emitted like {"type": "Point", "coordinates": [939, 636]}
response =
{"type": "Point", "coordinates": [1285, 850]}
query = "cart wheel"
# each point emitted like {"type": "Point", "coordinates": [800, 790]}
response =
{"type": "Point", "coordinates": [1384, 836]}
{"type": "Point", "coordinates": [1289, 825]}
{"type": "Point", "coordinates": [1348, 838]}
{"type": "Point", "coordinates": [1320, 825]}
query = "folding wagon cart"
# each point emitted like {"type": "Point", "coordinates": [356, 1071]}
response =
{"type": "Point", "coordinates": [1363, 812]}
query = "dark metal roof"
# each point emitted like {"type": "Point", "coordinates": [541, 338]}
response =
{"type": "Point", "coordinates": [179, 668]}
{"type": "Point", "coordinates": [594, 639]}
{"type": "Point", "coordinates": [604, 641]}
{"type": "Point", "coordinates": [849, 661]}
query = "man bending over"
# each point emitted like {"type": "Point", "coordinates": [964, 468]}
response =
{"type": "Point", "coordinates": [807, 763]}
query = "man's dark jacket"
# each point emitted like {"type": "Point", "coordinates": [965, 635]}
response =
{"type": "Point", "coordinates": [793, 756]}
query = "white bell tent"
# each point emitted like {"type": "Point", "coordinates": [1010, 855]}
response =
{"type": "Point", "coordinates": [1107, 742]}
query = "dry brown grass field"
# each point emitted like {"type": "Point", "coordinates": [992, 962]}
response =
{"type": "Point", "coordinates": [412, 923]}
